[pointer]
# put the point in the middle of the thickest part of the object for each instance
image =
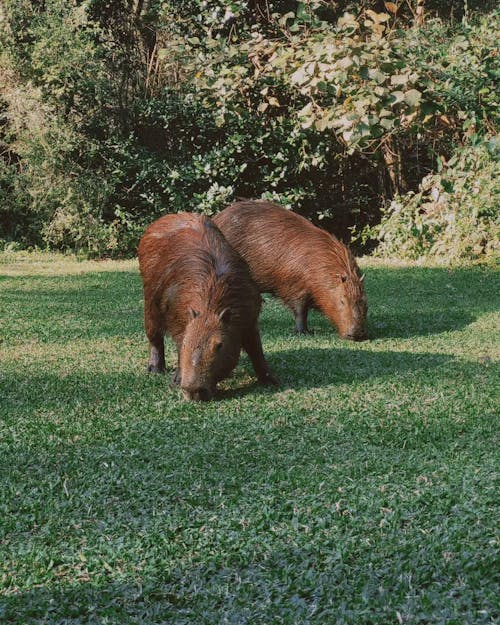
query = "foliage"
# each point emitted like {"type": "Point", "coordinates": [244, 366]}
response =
{"type": "Point", "coordinates": [459, 69]}
{"type": "Point", "coordinates": [352, 78]}
{"type": "Point", "coordinates": [453, 216]}
{"type": "Point", "coordinates": [114, 112]}
{"type": "Point", "coordinates": [364, 488]}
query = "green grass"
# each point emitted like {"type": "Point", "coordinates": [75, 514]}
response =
{"type": "Point", "coordinates": [363, 491]}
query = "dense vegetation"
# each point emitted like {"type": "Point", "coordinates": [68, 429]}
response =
{"type": "Point", "coordinates": [362, 491]}
{"type": "Point", "coordinates": [377, 116]}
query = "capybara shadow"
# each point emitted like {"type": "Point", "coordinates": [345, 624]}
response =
{"type": "Point", "coordinates": [310, 367]}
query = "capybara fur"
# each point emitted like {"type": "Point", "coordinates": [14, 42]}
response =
{"type": "Point", "coordinates": [305, 266]}
{"type": "Point", "coordinates": [198, 290]}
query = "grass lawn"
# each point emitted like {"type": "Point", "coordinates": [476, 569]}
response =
{"type": "Point", "coordinates": [364, 490]}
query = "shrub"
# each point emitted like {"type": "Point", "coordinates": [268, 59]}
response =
{"type": "Point", "coordinates": [453, 216]}
{"type": "Point", "coordinates": [116, 112]}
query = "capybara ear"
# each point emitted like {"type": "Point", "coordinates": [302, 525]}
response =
{"type": "Point", "coordinates": [194, 313]}
{"type": "Point", "coordinates": [225, 315]}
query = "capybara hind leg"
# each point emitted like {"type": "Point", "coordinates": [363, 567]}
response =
{"type": "Point", "coordinates": [300, 310]}
{"type": "Point", "coordinates": [253, 346]}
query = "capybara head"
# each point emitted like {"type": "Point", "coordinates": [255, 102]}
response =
{"type": "Point", "coordinates": [208, 354]}
{"type": "Point", "coordinates": [347, 306]}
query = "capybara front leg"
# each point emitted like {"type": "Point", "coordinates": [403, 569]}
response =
{"type": "Point", "coordinates": [155, 335]}
{"type": "Point", "coordinates": [300, 310]}
{"type": "Point", "coordinates": [253, 346]}
{"type": "Point", "coordinates": [156, 355]}
{"type": "Point", "coordinates": [176, 378]}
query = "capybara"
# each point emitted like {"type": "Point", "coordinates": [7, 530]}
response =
{"type": "Point", "coordinates": [302, 264]}
{"type": "Point", "coordinates": [198, 290]}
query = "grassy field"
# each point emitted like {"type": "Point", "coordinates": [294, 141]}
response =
{"type": "Point", "coordinates": [364, 490]}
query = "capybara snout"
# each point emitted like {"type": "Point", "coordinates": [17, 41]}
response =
{"type": "Point", "coordinates": [208, 354]}
{"type": "Point", "coordinates": [355, 335]}
{"type": "Point", "coordinates": [198, 394]}
{"type": "Point", "coordinates": [352, 324]}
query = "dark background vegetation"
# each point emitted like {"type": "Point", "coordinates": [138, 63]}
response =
{"type": "Point", "coordinates": [373, 118]}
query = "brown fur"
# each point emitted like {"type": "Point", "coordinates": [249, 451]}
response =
{"type": "Point", "coordinates": [303, 265]}
{"type": "Point", "coordinates": [198, 290]}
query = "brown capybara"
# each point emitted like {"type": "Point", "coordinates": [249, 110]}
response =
{"type": "Point", "coordinates": [198, 290]}
{"type": "Point", "coordinates": [303, 265]}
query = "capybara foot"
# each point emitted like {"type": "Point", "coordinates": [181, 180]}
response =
{"type": "Point", "coordinates": [156, 369]}
{"type": "Point", "coordinates": [268, 379]}
{"type": "Point", "coordinates": [176, 378]}
{"type": "Point", "coordinates": [303, 332]}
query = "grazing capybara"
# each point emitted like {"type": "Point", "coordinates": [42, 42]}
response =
{"type": "Point", "coordinates": [198, 290]}
{"type": "Point", "coordinates": [303, 265]}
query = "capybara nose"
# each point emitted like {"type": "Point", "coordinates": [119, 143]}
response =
{"type": "Point", "coordinates": [197, 394]}
{"type": "Point", "coordinates": [356, 336]}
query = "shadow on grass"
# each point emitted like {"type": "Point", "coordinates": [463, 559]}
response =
{"type": "Point", "coordinates": [64, 308]}
{"type": "Point", "coordinates": [168, 496]}
{"type": "Point", "coordinates": [407, 302]}
{"type": "Point", "coordinates": [77, 604]}
{"type": "Point", "coordinates": [313, 367]}
{"type": "Point", "coordinates": [421, 301]}
{"type": "Point", "coordinates": [296, 368]}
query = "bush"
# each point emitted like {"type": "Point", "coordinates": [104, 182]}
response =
{"type": "Point", "coordinates": [454, 215]}
{"type": "Point", "coordinates": [115, 112]}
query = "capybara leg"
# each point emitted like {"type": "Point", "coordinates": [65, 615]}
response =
{"type": "Point", "coordinates": [155, 335]}
{"type": "Point", "coordinates": [156, 351]}
{"type": "Point", "coordinates": [156, 355]}
{"type": "Point", "coordinates": [253, 346]}
{"type": "Point", "coordinates": [300, 310]}
{"type": "Point", "coordinates": [176, 378]}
